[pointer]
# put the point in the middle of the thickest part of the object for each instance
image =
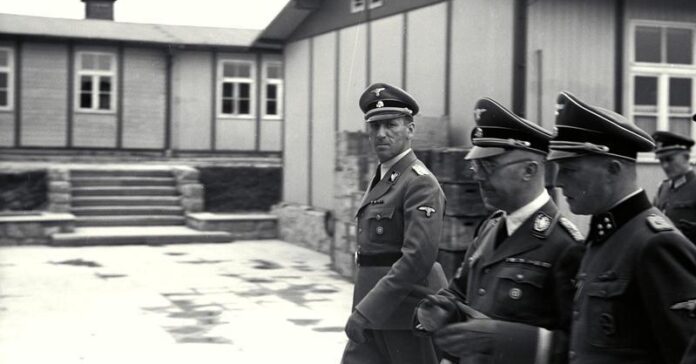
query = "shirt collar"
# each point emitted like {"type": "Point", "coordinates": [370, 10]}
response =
{"type": "Point", "coordinates": [627, 197]}
{"type": "Point", "coordinates": [386, 166]}
{"type": "Point", "coordinates": [519, 216]}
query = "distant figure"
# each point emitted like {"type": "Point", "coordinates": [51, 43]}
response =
{"type": "Point", "coordinates": [399, 226]}
{"type": "Point", "coordinates": [516, 281]}
{"type": "Point", "coordinates": [636, 287]}
{"type": "Point", "coordinates": [676, 196]}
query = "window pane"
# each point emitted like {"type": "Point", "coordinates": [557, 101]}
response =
{"type": "Point", "coordinates": [104, 84]}
{"type": "Point", "coordinates": [86, 100]}
{"type": "Point", "coordinates": [271, 108]}
{"type": "Point", "coordinates": [243, 106]}
{"type": "Point", "coordinates": [273, 71]}
{"type": "Point", "coordinates": [271, 92]}
{"type": "Point", "coordinates": [244, 90]}
{"type": "Point", "coordinates": [228, 69]}
{"type": "Point", "coordinates": [645, 90]}
{"type": "Point", "coordinates": [679, 46]}
{"type": "Point", "coordinates": [227, 107]}
{"type": "Point", "coordinates": [680, 92]}
{"type": "Point", "coordinates": [228, 89]}
{"type": "Point", "coordinates": [105, 62]}
{"type": "Point", "coordinates": [647, 123]}
{"type": "Point", "coordinates": [86, 83]}
{"type": "Point", "coordinates": [104, 101]}
{"type": "Point", "coordinates": [3, 98]}
{"type": "Point", "coordinates": [243, 70]}
{"type": "Point", "coordinates": [3, 80]}
{"type": "Point", "coordinates": [4, 58]}
{"type": "Point", "coordinates": [648, 44]}
{"type": "Point", "coordinates": [88, 61]}
{"type": "Point", "coordinates": [681, 126]}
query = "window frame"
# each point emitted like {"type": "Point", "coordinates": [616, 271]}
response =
{"type": "Point", "coordinates": [279, 82]}
{"type": "Point", "coordinates": [356, 7]}
{"type": "Point", "coordinates": [10, 70]}
{"type": "Point", "coordinates": [662, 71]}
{"type": "Point", "coordinates": [221, 79]}
{"type": "Point", "coordinates": [95, 74]}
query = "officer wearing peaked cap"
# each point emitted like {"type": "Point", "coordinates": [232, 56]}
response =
{"type": "Point", "coordinates": [507, 303]}
{"type": "Point", "coordinates": [399, 223]}
{"type": "Point", "coordinates": [636, 287]}
{"type": "Point", "coordinates": [676, 196]}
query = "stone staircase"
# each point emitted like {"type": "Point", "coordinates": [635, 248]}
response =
{"type": "Point", "coordinates": [114, 206]}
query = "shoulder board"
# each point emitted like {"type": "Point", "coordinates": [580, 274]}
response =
{"type": "Point", "coordinates": [420, 170]}
{"type": "Point", "coordinates": [657, 223]}
{"type": "Point", "coordinates": [484, 223]}
{"type": "Point", "coordinates": [572, 229]}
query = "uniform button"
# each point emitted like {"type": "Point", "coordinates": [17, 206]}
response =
{"type": "Point", "coordinates": [487, 270]}
{"type": "Point", "coordinates": [609, 226]}
{"type": "Point", "coordinates": [379, 216]}
{"type": "Point", "coordinates": [571, 355]}
{"type": "Point", "coordinates": [576, 314]}
{"type": "Point", "coordinates": [606, 219]}
{"type": "Point", "coordinates": [519, 276]}
{"type": "Point", "coordinates": [481, 291]}
{"type": "Point", "coordinates": [599, 226]}
{"type": "Point", "coordinates": [600, 233]}
{"type": "Point", "coordinates": [359, 230]}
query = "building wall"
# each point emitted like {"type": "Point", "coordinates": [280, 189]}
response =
{"type": "Point", "coordinates": [323, 126]}
{"type": "Point", "coordinates": [44, 89]}
{"type": "Point", "coordinates": [387, 50]}
{"type": "Point", "coordinates": [93, 130]}
{"type": "Point", "coordinates": [571, 46]}
{"type": "Point", "coordinates": [192, 85]}
{"type": "Point", "coordinates": [235, 133]}
{"type": "Point", "coordinates": [8, 117]}
{"type": "Point", "coordinates": [144, 98]}
{"type": "Point", "coordinates": [668, 10]}
{"type": "Point", "coordinates": [352, 76]}
{"type": "Point", "coordinates": [271, 130]}
{"type": "Point", "coordinates": [481, 60]}
{"type": "Point", "coordinates": [298, 162]}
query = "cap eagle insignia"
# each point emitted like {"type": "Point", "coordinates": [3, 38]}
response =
{"type": "Point", "coordinates": [378, 90]}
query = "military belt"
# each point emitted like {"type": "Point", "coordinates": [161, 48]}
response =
{"type": "Point", "coordinates": [376, 260]}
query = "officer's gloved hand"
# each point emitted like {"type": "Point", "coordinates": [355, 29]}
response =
{"type": "Point", "coordinates": [434, 312]}
{"type": "Point", "coordinates": [356, 326]}
{"type": "Point", "coordinates": [686, 226]}
{"type": "Point", "coordinates": [476, 337]}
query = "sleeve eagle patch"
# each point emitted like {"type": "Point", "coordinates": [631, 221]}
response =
{"type": "Point", "coordinates": [572, 229]}
{"type": "Point", "coordinates": [658, 223]}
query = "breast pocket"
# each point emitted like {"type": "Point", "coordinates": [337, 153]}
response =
{"type": "Point", "coordinates": [383, 226]}
{"type": "Point", "coordinates": [520, 291]}
{"type": "Point", "coordinates": [608, 314]}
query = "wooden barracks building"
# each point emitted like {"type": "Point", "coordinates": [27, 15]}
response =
{"type": "Point", "coordinates": [72, 85]}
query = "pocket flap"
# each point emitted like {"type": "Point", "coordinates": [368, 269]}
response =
{"type": "Point", "coordinates": [607, 289]}
{"type": "Point", "coordinates": [532, 277]}
{"type": "Point", "coordinates": [379, 214]}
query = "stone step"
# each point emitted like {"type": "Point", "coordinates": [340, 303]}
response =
{"type": "Point", "coordinates": [130, 235]}
{"type": "Point", "coordinates": [125, 191]}
{"type": "Point", "coordinates": [122, 181]}
{"type": "Point", "coordinates": [129, 220]}
{"type": "Point", "coordinates": [126, 200]}
{"type": "Point", "coordinates": [122, 172]}
{"type": "Point", "coordinates": [127, 210]}
{"type": "Point", "coordinates": [247, 226]}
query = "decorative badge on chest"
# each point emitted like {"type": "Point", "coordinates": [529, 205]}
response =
{"type": "Point", "coordinates": [542, 222]}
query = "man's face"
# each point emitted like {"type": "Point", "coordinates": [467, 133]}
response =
{"type": "Point", "coordinates": [390, 137]}
{"type": "Point", "coordinates": [500, 178]}
{"type": "Point", "coordinates": [584, 181]}
{"type": "Point", "coordinates": [675, 164]}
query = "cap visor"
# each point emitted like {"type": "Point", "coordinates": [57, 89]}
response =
{"type": "Point", "coordinates": [384, 116]}
{"type": "Point", "coordinates": [484, 152]}
{"type": "Point", "coordinates": [667, 152]}
{"type": "Point", "coordinates": [563, 154]}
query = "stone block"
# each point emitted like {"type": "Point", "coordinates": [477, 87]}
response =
{"type": "Point", "coordinates": [464, 199]}
{"type": "Point", "coordinates": [186, 174]}
{"type": "Point", "coordinates": [449, 165]}
{"type": "Point", "coordinates": [191, 190]}
{"type": "Point", "coordinates": [344, 264]}
{"type": "Point", "coordinates": [59, 207]}
{"type": "Point", "coordinates": [432, 132]}
{"type": "Point", "coordinates": [192, 204]}
{"type": "Point", "coordinates": [59, 187]}
{"type": "Point", "coordinates": [58, 174]}
{"type": "Point", "coordinates": [458, 232]}
{"type": "Point", "coordinates": [59, 198]}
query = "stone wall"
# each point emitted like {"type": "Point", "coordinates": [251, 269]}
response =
{"type": "Point", "coordinates": [33, 228]}
{"type": "Point", "coordinates": [190, 189]}
{"type": "Point", "coordinates": [305, 226]}
{"type": "Point", "coordinates": [59, 196]}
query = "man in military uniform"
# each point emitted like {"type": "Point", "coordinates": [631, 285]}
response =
{"type": "Point", "coordinates": [676, 196]}
{"type": "Point", "coordinates": [515, 284]}
{"type": "Point", "coordinates": [636, 286]}
{"type": "Point", "coordinates": [399, 226]}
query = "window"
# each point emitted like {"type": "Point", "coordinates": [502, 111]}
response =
{"type": "Point", "coordinates": [6, 78]}
{"type": "Point", "coordinates": [273, 90]}
{"type": "Point", "coordinates": [357, 6]}
{"type": "Point", "coordinates": [96, 74]}
{"type": "Point", "coordinates": [236, 88]}
{"type": "Point", "coordinates": [662, 77]}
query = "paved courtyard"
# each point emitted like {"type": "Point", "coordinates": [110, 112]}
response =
{"type": "Point", "coordinates": [241, 302]}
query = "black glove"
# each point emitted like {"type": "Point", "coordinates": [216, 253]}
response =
{"type": "Point", "coordinates": [356, 326]}
{"type": "Point", "coordinates": [434, 312]}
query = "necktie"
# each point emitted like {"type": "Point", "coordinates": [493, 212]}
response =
{"type": "Point", "coordinates": [376, 178]}
{"type": "Point", "coordinates": [502, 233]}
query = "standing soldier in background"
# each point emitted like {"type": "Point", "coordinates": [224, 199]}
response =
{"type": "Point", "coordinates": [676, 196]}
{"type": "Point", "coordinates": [518, 273]}
{"type": "Point", "coordinates": [636, 287]}
{"type": "Point", "coordinates": [399, 226]}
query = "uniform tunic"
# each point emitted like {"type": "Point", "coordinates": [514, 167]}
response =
{"type": "Point", "coordinates": [676, 198]}
{"type": "Point", "coordinates": [636, 289]}
{"type": "Point", "coordinates": [527, 279]}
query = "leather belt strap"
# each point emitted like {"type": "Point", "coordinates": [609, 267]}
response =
{"type": "Point", "coordinates": [376, 260]}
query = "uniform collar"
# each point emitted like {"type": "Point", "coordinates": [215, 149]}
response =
{"type": "Point", "coordinates": [519, 216]}
{"type": "Point", "coordinates": [386, 166]}
{"type": "Point", "coordinates": [681, 180]}
{"type": "Point", "coordinates": [603, 225]}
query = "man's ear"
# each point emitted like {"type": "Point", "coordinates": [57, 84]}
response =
{"type": "Point", "coordinates": [411, 126]}
{"type": "Point", "coordinates": [530, 170]}
{"type": "Point", "coordinates": [614, 167]}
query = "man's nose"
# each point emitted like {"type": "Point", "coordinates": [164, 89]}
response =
{"type": "Point", "coordinates": [381, 131]}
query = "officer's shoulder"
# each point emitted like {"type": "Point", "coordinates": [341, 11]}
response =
{"type": "Point", "coordinates": [491, 220]}
{"type": "Point", "coordinates": [570, 229]}
{"type": "Point", "coordinates": [420, 169]}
